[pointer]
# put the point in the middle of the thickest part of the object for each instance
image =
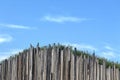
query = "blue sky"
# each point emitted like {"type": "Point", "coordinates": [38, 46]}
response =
{"type": "Point", "coordinates": [85, 24]}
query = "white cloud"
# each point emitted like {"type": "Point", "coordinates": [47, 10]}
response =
{"type": "Point", "coordinates": [81, 46]}
{"type": "Point", "coordinates": [109, 48]}
{"type": "Point", "coordinates": [15, 26]}
{"type": "Point", "coordinates": [109, 54]}
{"type": "Point", "coordinates": [3, 57]}
{"type": "Point", "coordinates": [62, 19]}
{"type": "Point", "coordinates": [15, 51]}
{"type": "Point", "coordinates": [12, 51]}
{"type": "Point", "coordinates": [7, 54]}
{"type": "Point", "coordinates": [5, 38]}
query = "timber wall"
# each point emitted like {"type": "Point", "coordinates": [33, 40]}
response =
{"type": "Point", "coordinates": [55, 63]}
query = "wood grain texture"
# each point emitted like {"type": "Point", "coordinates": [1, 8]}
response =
{"type": "Point", "coordinates": [55, 63]}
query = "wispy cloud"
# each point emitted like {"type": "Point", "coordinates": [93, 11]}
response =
{"type": "Point", "coordinates": [109, 54]}
{"type": "Point", "coordinates": [109, 48]}
{"type": "Point", "coordinates": [5, 38]}
{"type": "Point", "coordinates": [62, 19]}
{"type": "Point", "coordinates": [2, 57]}
{"type": "Point", "coordinates": [12, 51]}
{"type": "Point", "coordinates": [7, 54]}
{"type": "Point", "coordinates": [15, 26]}
{"type": "Point", "coordinates": [81, 46]}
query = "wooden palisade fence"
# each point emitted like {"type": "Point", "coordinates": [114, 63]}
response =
{"type": "Point", "coordinates": [56, 63]}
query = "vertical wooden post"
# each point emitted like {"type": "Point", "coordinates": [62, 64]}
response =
{"type": "Point", "coordinates": [23, 65]}
{"type": "Point", "coordinates": [77, 68]}
{"type": "Point", "coordinates": [54, 63]}
{"type": "Point", "coordinates": [94, 62]}
{"type": "Point", "coordinates": [15, 69]}
{"type": "Point", "coordinates": [0, 71]}
{"type": "Point", "coordinates": [34, 64]}
{"type": "Point", "coordinates": [45, 64]}
{"type": "Point", "coordinates": [91, 69]}
{"type": "Point", "coordinates": [111, 73]}
{"type": "Point", "coordinates": [66, 63]}
{"type": "Point", "coordinates": [61, 66]}
{"type": "Point", "coordinates": [49, 51]}
{"type": "Point", "coordinates": [80, 68]}
{"type": "Point", "coordinates": [31, 63]}
{"type": "Point", "coordinates": [98, 70]}
{"type": "Point", "coordinates": [103, 71]}
{"type": "Point", "coordinates": [117, 74]}
{"type": "Point", "coordinates": [72, 70]}
{"type": "Point", "coordinates": [84, 68]}
{"type": "Point", "coordinates": [27, 63]}
{"type": "Point", "coordinates": [39, 63]}
{"type": "Point", "coordinates": [108, 73]}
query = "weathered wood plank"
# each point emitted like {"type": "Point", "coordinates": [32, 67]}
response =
{"type": "Point", "coordinates": [0, 71]}
{"type": "Point", "coordinates": [84, 68]}
{"type": "Point", "coordinates": [26, 64]}
{"type": "Point", "coordinates": [66, 63]}
{"type": "Point", "coordinates": [31, 63]}
{"type": "Point", "coordinates": [117, 73]}
{"type": "Point", "coordinates": [45, 64]}
{"type": "Point", "coordinates": [94, 68]}
{"type": "Point", "coordinates": [61, 66]}
{"type": "Point", "coordinates": [53, 64]}
{"type": "Point", "coordinates": [114, 74]}
{"type": "Point", "coordinates": [34, 64]}
{"type": "Point", "coordinates": [91, 69]}
{"type": "Point", "coordinates": [81, 68]}
{"type": "Point", "coordinates": [19, 67]}
{"type": "Point", "coordinates": [77, 68]}
{"type": "Point", "coordinates": [111, 74]}
{"type": "Point", "coordinates": [38, 56]}
{"type": "Point", "coordinates": [103, 71]}
{"type": "Point", "coordinates": [41, 64]}
{"type": "Point", "coordinates": [108, 73]}
{"type": "Point", "coordinates": [98, 72]}
{"type": "Point", "coordinates": [72, 69]}
{"type": "Point", "coordinates": [49, 55]}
